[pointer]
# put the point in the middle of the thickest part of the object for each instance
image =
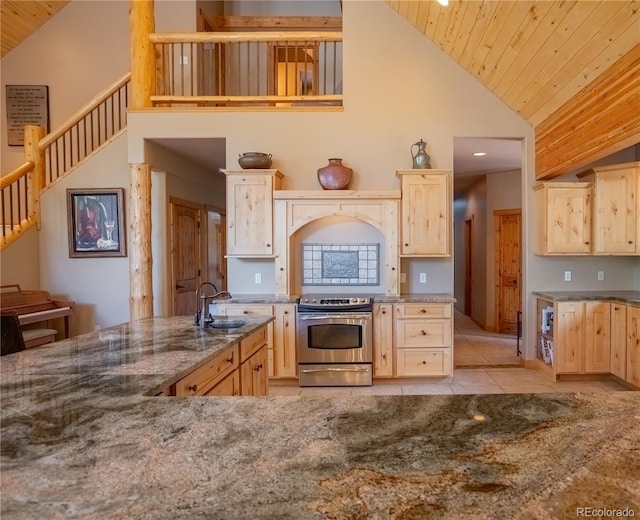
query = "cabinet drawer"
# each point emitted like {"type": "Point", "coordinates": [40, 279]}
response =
{"type": "Point", "coordinates": [252, 343]}
{"type": "Point", "coordinates": [423, 362]}
{"type": "Point", "coordinates": [229, 386]}
{"type": "Point", "coordinates": [200, 381]}
{"type": "Point", "coordinates": [423, 333]}
{"type": "Point", "coordinates": [423, 310]}
{"type": "Point", "coordinates": [253, 309]}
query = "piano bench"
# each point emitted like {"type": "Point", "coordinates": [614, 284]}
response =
{"type": "Point", "coordinates": [37, 337]}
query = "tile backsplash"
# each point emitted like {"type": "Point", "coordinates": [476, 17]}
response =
{"type": "Point", "coordinates": [340, 264]}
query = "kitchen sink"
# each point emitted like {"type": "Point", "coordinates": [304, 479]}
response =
{"type": "Point", "coordinates": [221, 323]}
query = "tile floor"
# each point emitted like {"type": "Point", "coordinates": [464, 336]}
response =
{"type": "Point", "coordinates": [485, 363]}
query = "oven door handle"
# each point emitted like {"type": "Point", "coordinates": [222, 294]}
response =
{"type": "Point", "coordinates": [364, 315]}
{"type": "Point", "coordinates": [335, 369]}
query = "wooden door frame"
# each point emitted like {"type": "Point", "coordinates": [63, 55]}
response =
{"type": "Point", "coordinates": [468, 265]}
{"type": "Point", "coordinates": [221, 211]}
{"type": "Point", "coordinates": [496, 233]}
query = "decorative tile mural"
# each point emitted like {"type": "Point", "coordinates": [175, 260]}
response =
{"type": "Point", "coordinates": [340, 264]}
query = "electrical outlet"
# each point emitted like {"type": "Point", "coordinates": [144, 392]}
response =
{"type": "Point", "coordinates": [423, 277]}
{"type": "Point", "coordinates": [258, 278]}
{"type": "Point", "coordinates": [567, 276]}
{"type": "Point", "coordinates": [403, 277]}
{"type": "Point", "coordinates": [600, 276]}
{"type": "Point", "coordinates": [184, 60]}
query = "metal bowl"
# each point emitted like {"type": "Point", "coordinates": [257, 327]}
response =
{"type": "Point", "coordinates": [255, 160]}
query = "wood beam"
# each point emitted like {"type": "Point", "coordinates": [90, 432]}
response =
{"type": "Point", "coordinates": [231, 23]}
{"type": "Point", "coordinates": [143, 60]}
{"type": "Point", "coordinates": [603, 118]}
{"type": "Point", "coordinates": [140, 258]}
{"type": "Point", "coordinates": [35, 154]}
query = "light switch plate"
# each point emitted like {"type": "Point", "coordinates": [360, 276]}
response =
{"type": "Point", "coordinates": [423, 277]}
{"type": "Point", "coordinates": [567, 276]}
{"type": "Point", "coordinates": [258, 278]}
{"type": "Point", "coordinates": [600, 276]}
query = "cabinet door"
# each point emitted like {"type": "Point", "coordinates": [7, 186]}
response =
{"type": "Point", "coordinates": [597, 346]}
{"type": "Point", "coordinates": [229, 386]}
{"type": "Point", "coordinates": [249, 215]}
{"type": "Point", "coordinates": [633, 345]}
{"type": "Point", "coordinates": [566, 210]}
{"type": "Point", "coordinates": [426, 214]}
{"type": "Point", "coordinates": [382, 339]}
{"type": "Point", "coordinates": [616, 211]}
{"type": "Point", "coordinates": [569, 337]}
{"type": "Point", "coordinates": [618, 359]}
{"type": "Point", "coordinates": [284, 358]}
{"type": "Point", "coordinates": [253, 374]}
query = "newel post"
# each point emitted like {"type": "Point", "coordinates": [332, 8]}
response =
{"type": "Point", "coordinates": [142, 22]}
{"type": "Point", "coordinates": [35, 179]}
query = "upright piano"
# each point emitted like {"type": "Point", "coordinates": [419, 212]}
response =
{"type": "Point", "coordinates": [35, 307]}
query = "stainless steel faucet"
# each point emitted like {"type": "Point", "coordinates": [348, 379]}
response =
{"type": "Point", "coordinates": [203, 317]}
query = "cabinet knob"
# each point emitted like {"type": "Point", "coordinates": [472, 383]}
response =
{"type": "Point", "coordinates": [282, 268]}
{"type": "Point", "coordinates": [423, 333]}
{"type": "Point", "coordinates": [384, 356]}
{"type": "Point", "coordinates": [193, 388]}
{"type": "Point", "coordinates": [406, 245]}
{"type": "Point", "coordinates": [383, 311]}
{"type": "Point", "coordinates": [424, 362]}
{"type": "Point", "coordinates": [268, 245]}
{"type": "Point", "coordinates": [286, 312]}
{"type": "Point", "coordinates": [393, 268]}
{"type": "Point", "coordinates": [423, 311]}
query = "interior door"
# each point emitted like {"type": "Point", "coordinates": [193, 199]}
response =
{"type": "Point", "coordinates": [216, 249]}
{"type": "Point", "coordinates": [509, 268]}
{"type": "Point", "coordinates": [186, 240]}
{"type": "Point", "coordinates": [468, 265]}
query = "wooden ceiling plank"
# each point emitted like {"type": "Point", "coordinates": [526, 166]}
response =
{"type": "Point", "coordinates": [435, 9]}
{"type": "Point", "coordinates": [499, 26]}
{"type": "Point", "coordinates": [455, 23]}
{"type": "Point", "coordinates": [412, 11]}
{"type": "Point", "coordinates": [602, 118]}
{"type": "Point", "coordinates": [541, 34]}
{"type": "Point", "coordinates": [502, 43]}
{"type": "Point", "coordinates": [522, 88]}
{"type": "Point", "coordinates": [566, 62]}
{"type": "Point", "coordinates": [444, 23]}
{"type": "Point", "coordinates": [403, 7]}
{"type": "Point", "coordinates": [499, 62]}
{"type": "Point", "coordinates": [601, 52]}
{"type": "Point", "coordinates": [422, 16]}
{"type": "Point", "coordinates": [466, 28]}
{"type": "Point", "coordinates": [478, 35]}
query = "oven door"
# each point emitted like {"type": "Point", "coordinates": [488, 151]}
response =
{"type": "Point", "coordinates": [335, 337]}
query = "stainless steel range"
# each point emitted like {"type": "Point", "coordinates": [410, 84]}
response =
{"type": "Point", "coordinates": [334, 340]}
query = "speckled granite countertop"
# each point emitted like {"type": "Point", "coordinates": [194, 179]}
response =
{"type": "Point", "coordinates": [632, 297]}
{"type": "Point", "coordinates": [378, 298]}
{"type": "Point", "coordinates": [82, 438]}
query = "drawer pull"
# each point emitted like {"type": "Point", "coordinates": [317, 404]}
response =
{"type": "Point", "coordinates": [423, 311]}
{"type": "Point", "coordinates": [230, 360]}
{"type": "Point", "coordinates": [258, 367]}
{"type": "Point", "coordinates": [423, 333]}
{"type": "Point", "coordinates": [193, 388]}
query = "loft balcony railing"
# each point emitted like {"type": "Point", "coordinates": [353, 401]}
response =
{"type": "Point", "coordinates": [274, 69]}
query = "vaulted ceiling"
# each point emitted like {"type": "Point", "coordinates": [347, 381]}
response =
{"type": "Point", "coordinates": [20, 18]}
{"type": "Point", "coordinates": [533, 55]}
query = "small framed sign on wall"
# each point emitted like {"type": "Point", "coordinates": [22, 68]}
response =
{"type": "Point", "coordinates": [26, 105]}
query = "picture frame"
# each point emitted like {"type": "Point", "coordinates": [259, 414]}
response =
{"type": "Point", "coordinates": [26, 105]}
{"type": "Point", "coordinates": [96, 222]}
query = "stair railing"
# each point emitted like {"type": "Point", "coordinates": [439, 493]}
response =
{"type": "Point", "coordinates": [49, 158]}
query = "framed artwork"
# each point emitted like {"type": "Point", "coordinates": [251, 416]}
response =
{"type": "Point", "coordinates": [96, 222]}
{"type": "Point", "coordinates": [26, 105]}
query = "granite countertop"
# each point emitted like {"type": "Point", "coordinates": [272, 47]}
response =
{"type": "Point", "coordinates": [82, 437]}
{"type": "Point", "coordinates": [632, 297]}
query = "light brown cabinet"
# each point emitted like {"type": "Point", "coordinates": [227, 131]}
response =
{"type": "Point", "coordinates": [382, 340]}
{"type": "Point", "coordinates": [423, 339]}
{"type": "Point", "coordinates": [616, 214]}
{"type": "Point", "coordinates": [253, 374]}
{"type": "Point", "coordinates": [618, 359]}
{"type": "Point", "coordinates": [633, 345]}
{"type": "Point", "coordinates": [203, 379]}
{"type": "Point", "coordinates": [250, 211]}
{"type": "Point", "coordinates": [281, 334]}
{"type": "Point", "coordinates": [563, 218]}
{"type": "Point", "coordinates": [582, 331]}
{"type": "Point", "coordinates": [426, 212]}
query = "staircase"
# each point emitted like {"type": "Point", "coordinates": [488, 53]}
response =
{"type": "Point", "coordinates": [51, 157]}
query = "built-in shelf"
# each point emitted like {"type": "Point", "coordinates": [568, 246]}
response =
{"type": "Point", "coordinates": [336, 194]}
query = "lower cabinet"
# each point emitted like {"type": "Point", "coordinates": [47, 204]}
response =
{"type": "Point", "coordinates": [423, 339]}
{"type": "Point", "coordinates": [281, 341]}
{"type": "Point", "coordinates": [382, 340]}
{"type": "Point", "coordinates": [239, 369]}
{"type": "Point", "coordinates": [633, 345]}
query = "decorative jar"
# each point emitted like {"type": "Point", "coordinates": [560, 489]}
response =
{"type": "Point", "coordinates": [334, 176]}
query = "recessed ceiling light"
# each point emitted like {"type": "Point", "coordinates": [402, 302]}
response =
{"type": "Point", "coordinates": [443, 2]}
{"type": "Point", "coordinates": [479, 154]}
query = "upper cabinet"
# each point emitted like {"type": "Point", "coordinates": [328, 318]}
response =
{"type": "Point", "coordinates": [426, 212]}
{"type": "Point", "coordinates": [616, 216]}
{"type": "Point", "coordinates": [564, 218]}
{"type": "Point", "coordinates": [250, 211]}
